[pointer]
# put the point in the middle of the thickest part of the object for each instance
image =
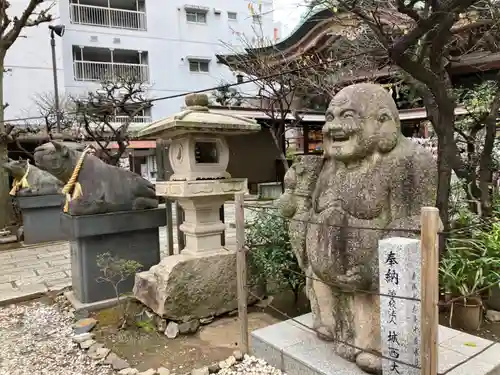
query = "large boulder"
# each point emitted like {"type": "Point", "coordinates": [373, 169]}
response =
{"type": "Point", "coordinates": [184, 287]}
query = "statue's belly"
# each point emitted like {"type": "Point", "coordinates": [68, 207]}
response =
{"type": "Point", "coordinates": [334, 249]}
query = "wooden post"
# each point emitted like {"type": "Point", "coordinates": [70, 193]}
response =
{"type": "Point", "coordinates": [305, 138]}
{"type": "Point", "coordinates": [223, 234]}
{"type": "Point", "coordinates": [241, 270]}
{"type": "Point", "coordinates": [179, 213]}
{"type": "Point", "coordinates": [429, 289]}
{"type": "Point", "coordinates": [170, 227]}
{"type": "Point", "coordinates": [161, 176]}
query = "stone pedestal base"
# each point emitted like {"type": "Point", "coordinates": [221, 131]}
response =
{"type": "Point", "coordinates": [295, 349]}
{"type": "Point", "coordinates": [41, 218]}
{"type": "Point", "coordinates": [130, 235]}
{"type": "Point", "coordinates": [184, 287]}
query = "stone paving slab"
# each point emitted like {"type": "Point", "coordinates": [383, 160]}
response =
{"type": "Point", "coordinates": [291, 347]}
{"type": "Point", "coordinates": [35, 269]}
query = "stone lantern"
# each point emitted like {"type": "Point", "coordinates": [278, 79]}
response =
{"type": "Point", "coordinates": [200, 282]}
{"type": "Point", "coordinates": [199, 156]}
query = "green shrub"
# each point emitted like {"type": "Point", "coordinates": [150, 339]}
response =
{"type": "Point", "coordinates": [271, 258]}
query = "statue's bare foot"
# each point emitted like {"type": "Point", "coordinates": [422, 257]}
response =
{"type": "Point", "coordinates": [324, 333]}
{"type": "Point", "coordinates": [369, 362]}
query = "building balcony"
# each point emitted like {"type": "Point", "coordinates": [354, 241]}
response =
{"type": "Point", "coordinates": [116, 17]}
{"type": "Point", "coordinates": [96, 64]}
{"type": "Point", "coordinates": [137, 121]}
{"type": "Point", "coordinates": [95, 71]}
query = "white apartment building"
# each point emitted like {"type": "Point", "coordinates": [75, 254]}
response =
{"type": "Point", "coordinates": [171, 44]}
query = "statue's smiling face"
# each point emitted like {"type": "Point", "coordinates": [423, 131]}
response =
{"type": "Point", "coordinates": [359, 119]}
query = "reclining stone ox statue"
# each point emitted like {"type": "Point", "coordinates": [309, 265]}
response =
{"type": "Point", "coordinates": [370, 176]}
{"type": "Point", "coordinates": [92, 186]}
{"type": "Point", "coordinates": [30, 180]}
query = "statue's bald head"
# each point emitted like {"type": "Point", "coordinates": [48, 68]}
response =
{"type": "Point", "coordinates": [369, 98]}
{"type": "Point", "coordinates": [361, 119]}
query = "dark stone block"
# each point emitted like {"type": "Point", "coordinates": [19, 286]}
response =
{"type": "Point", "coordinates": [41, 217]}
{"type": "Point", "coordinates": [130, 235]}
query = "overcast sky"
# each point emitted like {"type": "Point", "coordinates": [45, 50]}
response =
{"type": "Point", "coordinates": [288, 12]}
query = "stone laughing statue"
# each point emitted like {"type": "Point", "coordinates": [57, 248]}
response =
{"type": "Point", "coordinates": [370, 176]}
{"type": "Point", "coordinates": [30, 180]}
{"type": "Point", "coordinates": [92, 186]}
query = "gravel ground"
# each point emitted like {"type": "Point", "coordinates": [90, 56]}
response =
{"type": "Point", "coordinates": [35, 340]}
{"type": "Point", "coordinates": [251, 366]}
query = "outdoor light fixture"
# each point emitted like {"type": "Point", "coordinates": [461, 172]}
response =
{"type": "Point", "coordinates": [59, 31]}
{"type": "Point", "coordinates": [239, 78]}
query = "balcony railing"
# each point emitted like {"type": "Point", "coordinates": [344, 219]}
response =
{"type": "Point", "coordinates": [103, 71]}
{"type": "Point", "coordinates": [139, 120]}
{"type": "Point", "coordinates": [107, 17]}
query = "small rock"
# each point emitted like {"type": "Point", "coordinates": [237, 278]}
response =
{"type": "Point", "coordinates": [163, 371]}
{"type": "Point", "coordinates": [148, 372]}
{"type": "Point", "coordinates": [128, 371]}
{"type": "Point", "coordinates": [265, 302]}
{"type": "Point", "coordinates": [189, 327]}
{"type": "Point", "coordinates": [238, 355]}
{"type": "Point", "coordinates": [493, 316]}
{"type": "Point", "coordinates": [81, 314]}
{"type": "Point", "coordinates": [200, 371]}
{"type": "Point", "coordinates": [8, 239]}
{"type": "Point", "coordinates": [87, 344]}
{"type": "Point", "coordinates": [172, 330]}
{"type": "Point", "coordinates": [213, 368]}
{"type": "Point", "coordinates": [82, 337]}
{"type": "Point", "coordinates": [208, 320]}
{"type": "Point", "coordinates": [145, 316]}
{"type": "Point", "coordinates": [99, 353]}
{"type": "Point", "coordinates": [84, 325]}
{"type": "Point", "coordinates": [116, 362]}
{"type": "Point", "coordinates": [94, 347]}
{"type": "Point", "coordinates": [223, 364]}
{"type": "Point", "coordinates": [161, 325]}
{"type": "Point", "coordinates": [231, 360]}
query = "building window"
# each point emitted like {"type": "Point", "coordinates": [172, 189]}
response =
{"type": "Point", "coordinates": [231, 16]}
{"type": "Point", "coordinates": [257, 18]}
{"type": "Point", "coordinates": [197, 17]}
{"type": "Point", "coordinates": [198, 66]}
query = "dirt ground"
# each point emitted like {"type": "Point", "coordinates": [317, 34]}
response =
{"type": "Point", "coordinates": [487, 330]}
{"type": "Point", "coordinates": [212, 343]}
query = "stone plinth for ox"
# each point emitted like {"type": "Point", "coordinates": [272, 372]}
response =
{"type": "Point", "coordinates": [200, 282]}
{"type": "Point", "coordinates": [41, 217]}
{"type": "Point", "coordinates": [131, 235]}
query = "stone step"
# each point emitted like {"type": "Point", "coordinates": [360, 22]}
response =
{"type": "Point", "coordinates": [296, 350]}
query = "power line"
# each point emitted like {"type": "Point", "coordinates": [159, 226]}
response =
{"type": "Point", "coordinates": [228, 85]}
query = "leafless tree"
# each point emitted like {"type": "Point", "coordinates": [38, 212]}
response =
{"type": "Point", "coordinates": [227, 96]}
{"type": "Point", "coordinates": [42, 128]}
{"type": "Point", "coordinates": [282, 85]}
{"type": "Point", "coordinates": [105, 116]}
{"type": "Point", "coordinates": [35, 13]}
